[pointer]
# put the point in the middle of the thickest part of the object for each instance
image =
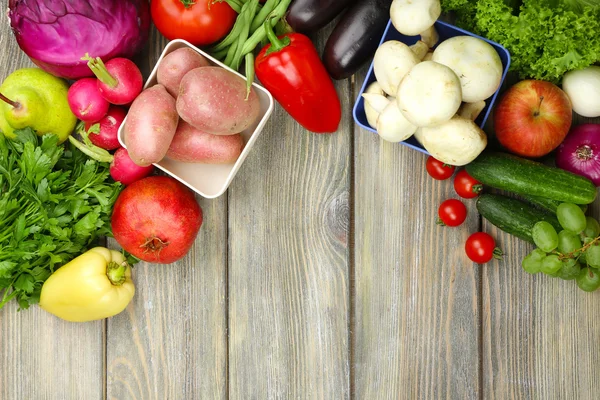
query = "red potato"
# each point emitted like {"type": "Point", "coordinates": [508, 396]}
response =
{"type": "Point", "coordinates": [195, 146]}
{"type": "Point", "coordinates": [175, 65]}
{"type": "Point", "coordinates": [213, 100]}
{"type": "Point", "coordinates": [150, 125]}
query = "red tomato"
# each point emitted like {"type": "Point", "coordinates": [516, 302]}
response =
{"type": "Point", "coordinates": [200, 22]}
{"type": "Point", "coordinates": [437, 169]}
{"type": "Point", "coordinates": [466, 186]}
{"type": "Point", "coordinates": [481, 248]}
{"type": "Point", "coordinates": [452, 212]}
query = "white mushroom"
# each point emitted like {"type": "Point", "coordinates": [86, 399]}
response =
{"type": "Point", "coordinates": [430, 36]}
{"type": "Point", "coordinates": [428, 56]}
{"type": "Point", "coordinates": [476, 63]}
{"type": "Point", "coordinates": [412, 17]}
{"type": "Point", "coordinates": [392, 126]}
{"type": "Point", "coordinates": [419, 135]}
{"type": "Point", "coordinates": [392, 61]}
{"type": "Point", "coordinates": [372, 113]}
{"type": "Point", "coordinates": [455, 142]}
{"type": "Point", "coordinates": [374, 105]}
{"type": "Point", "coordinates": [471, 110]}
{"type": "Point", "coordinates": [420, 49]}
{"type": "Point", "coordinates": [429, 94]}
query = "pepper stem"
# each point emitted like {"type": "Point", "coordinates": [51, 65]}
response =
{"type": "Point", "coordinates": [5, 99]}
{"type": "Point", "coordinates": [276, 43]}
{"type": "Point", "coordinates": [116, 272]}
{"type": "Point", "coordinates": [99, 69]}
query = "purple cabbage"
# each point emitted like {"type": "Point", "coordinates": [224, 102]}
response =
{"type": "Point", "coordinates": [55, 34]}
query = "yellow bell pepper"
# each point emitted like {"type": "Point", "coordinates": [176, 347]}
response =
{"type": "Point", "coordinates": [93, 286]}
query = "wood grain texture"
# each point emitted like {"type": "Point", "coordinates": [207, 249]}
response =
{"type": "Point", "coordinates": [540, 334]}
{"type": "Point", "coordinates": [42, 356]}
{"type": "Point", "coordinates": [288, 271]}
{"type": "Point", "coordinates": [171, 342]}
{"type": "Point", "coordinates": [416, 293]}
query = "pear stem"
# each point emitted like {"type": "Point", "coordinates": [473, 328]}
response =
{"type": "Point", "coordinates": [15, 104]}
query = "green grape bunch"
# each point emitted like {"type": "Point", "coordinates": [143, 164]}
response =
{"type": "Point", "coordinates": [571, 254]}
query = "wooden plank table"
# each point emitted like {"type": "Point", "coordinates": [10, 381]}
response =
{"type": "Point", "coordinates": [320, 274]}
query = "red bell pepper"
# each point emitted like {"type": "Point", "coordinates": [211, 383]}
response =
{"type": "Point", "coordinates": [290, 68]}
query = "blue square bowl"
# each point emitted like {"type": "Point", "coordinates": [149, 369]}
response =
{"type": "Point", "coordinates": [445, 31]}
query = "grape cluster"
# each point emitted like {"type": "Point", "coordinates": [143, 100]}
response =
{"type": "Point", "coordinates": [572, 253]}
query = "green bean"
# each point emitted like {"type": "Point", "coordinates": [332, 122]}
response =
{"type": "Point", "coordinates": [262, 15]}
{"type": "Point", "coordinates": [248, 16]}
{"type": "Point", "coordinates": [260, 33]}
{"type": "Point", "coordinates": [230, 54]}
{"type": "Point", "coordinates": [230, 38]}
{"type": "Point", "coordinates": [221, 54]}
{"type": "Point", "coordinates": [249, 73]}
{"type": "Point", "coordinates": [235, 4]}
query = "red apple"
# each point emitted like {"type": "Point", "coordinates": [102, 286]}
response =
{"type": "Point", "coordinates": [533, 118]}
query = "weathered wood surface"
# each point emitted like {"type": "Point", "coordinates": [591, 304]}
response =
{"type": "Point", "coordinates": [320, 275]}
{"type": "Point", "coordinates": [42, 356]}
{"type": "Point", "coordinates": [540, 335]}
{"type": "Point", "coordinates": [416, 294]}
{"type": "Point", "coordinates": [171, 342]}
{"type": "Point", "coordinates": [289, 263]}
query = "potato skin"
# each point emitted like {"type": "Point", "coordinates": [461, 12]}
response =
{"type": "Point", "coordinates": [195, 146]}
{"type": "Point", "coordinates": [150, 125]}
{"type": "Point", "coordinates": [175, 65]}
{"type": "Point", "coordinates": [213, 100]}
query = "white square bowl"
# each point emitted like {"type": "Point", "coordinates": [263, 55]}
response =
{"type": "Point", "coordinates": [209, 180]}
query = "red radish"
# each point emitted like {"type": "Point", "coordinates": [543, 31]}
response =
{"type": "Point", "coordinates": [119, 80]}
{"type": "Point", "coordinates": [85, 100]}
{"type": "Point", "coordinates": [124, 170]}
{"type": "Point", "coordinates": [104, 132]}
{"type": "Point", "coordinates": [156, 219]}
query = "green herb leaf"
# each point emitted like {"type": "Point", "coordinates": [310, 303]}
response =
{"type": "Point", "coordinates": [54, 204]}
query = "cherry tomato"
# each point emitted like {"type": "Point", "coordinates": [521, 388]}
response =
{"type": "Point", "coordinates": [452, 212]}
{"type": "Point", "coordinates": [438, 170]}
{"type": "Point", "coordinates": [481, 248]}
{"type": "Point", "coordinates": [466, 186]}
{"type": "Point", "coordinates": [200, 22]}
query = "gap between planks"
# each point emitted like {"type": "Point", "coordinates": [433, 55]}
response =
{"type": "Point", "coordinates": [351, 246]}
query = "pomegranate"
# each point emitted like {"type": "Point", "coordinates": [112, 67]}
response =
{"type": "Point", "coordinates": [156, 219]}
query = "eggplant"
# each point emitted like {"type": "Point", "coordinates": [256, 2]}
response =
{"type": "Point", "coordinates": [356, 37]}
{"type": "Point", "coordinates": [308, 16]}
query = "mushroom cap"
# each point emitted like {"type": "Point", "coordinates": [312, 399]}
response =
{"type": "Point", "coordinates": [429, 94]}
{"type": "Point", "coordinates": [411, 17]}
{"type": "Point", "coordinates": [475, 62]}
{"type": "Point", "coordinates": [392, 126]}
{"type": "Point", "coordinates": [456, 142]}
{"type": "Point", "coordinates": [392, 61]}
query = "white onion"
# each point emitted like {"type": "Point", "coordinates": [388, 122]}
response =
{"type": "Point", "coordinates": [583, 88]}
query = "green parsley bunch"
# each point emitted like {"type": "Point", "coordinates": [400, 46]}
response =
{"type": "Point", "coordinates": [55, 203]}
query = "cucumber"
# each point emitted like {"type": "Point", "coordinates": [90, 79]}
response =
{"type": "Point", "coordinates": [513, 216]}
{"type": "Point", "coordinates": [526, 177]}
{"type": "Point", "coordinates": [547, 204]}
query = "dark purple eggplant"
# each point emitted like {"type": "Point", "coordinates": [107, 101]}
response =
{"type": "Point", "coordinates": [355, 38]}
{"type": "Point", "coordinates": [308, 16]}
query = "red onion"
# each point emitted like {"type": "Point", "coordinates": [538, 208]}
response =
{"type": "Point", "coordinates": [579, 153]}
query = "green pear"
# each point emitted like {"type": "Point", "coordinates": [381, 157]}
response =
{"type": "Point", "coordinates": [31, 97]}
